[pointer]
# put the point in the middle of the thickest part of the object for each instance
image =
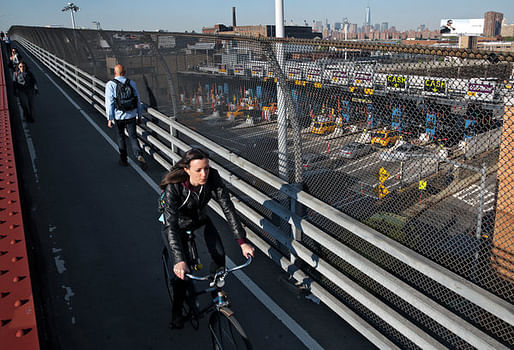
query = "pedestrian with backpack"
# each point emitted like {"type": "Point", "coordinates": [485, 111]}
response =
{"type": "Point", "coordinates": [123, 109]}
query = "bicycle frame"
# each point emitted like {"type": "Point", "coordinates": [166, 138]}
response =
{"type": "Point", "coordinates": [216, 283]}
{"type": "Point", "coordinates": [224, 327]}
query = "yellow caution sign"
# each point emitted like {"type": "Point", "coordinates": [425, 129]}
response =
{"type": "Point", "coordinates": [382, 191]}
{"type": "Point", "coordinates": [383, 175]}
{"type": "Point", "coordinates": [351, 88]}
{"type": "Point", "coordinates": [422, 185]}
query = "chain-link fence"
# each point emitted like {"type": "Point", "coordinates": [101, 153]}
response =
{"type": "Point", "coordinates": [414, 142]}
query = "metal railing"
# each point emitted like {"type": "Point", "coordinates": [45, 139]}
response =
{"type": "Point", "coordinates": [345, 260]}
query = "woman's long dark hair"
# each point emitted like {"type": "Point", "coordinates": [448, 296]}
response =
{"type": "Point", "coordinates": [177, 173]}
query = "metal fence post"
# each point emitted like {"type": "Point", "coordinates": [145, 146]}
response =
{"type": "Point", "coordinates": [478, 231]}
{"type": "Point", "coordinates": [401, 174]}
{"type": "Point", "coordinates": [281, 103]}
{"type": "Point", "coordinates": [173, 93]}
{"type": "Point", "coordinates": [76, 78]}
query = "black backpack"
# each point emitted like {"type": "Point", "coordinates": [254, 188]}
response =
{"type": "Point", "coordinates": [126, 99]}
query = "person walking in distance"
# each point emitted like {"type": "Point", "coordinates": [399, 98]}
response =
{"type": "Point", "coordinates": [7, 42]}
{"type": "Point", "coordinates": [14, 59]}
{"type": "Point", "coordinates": [25, 87]}
{"type": "Point", "coordinates": [123, 109]}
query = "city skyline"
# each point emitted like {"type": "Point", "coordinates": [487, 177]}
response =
{"type": "Point", "coordinates": [188, 16]}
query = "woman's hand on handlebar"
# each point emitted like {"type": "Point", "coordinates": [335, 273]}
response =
{"type": "Point", "coordinates": [247, 249]}
{"type": "Point", "coordinates": [180, 269]}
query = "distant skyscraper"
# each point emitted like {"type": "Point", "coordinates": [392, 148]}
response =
{"type": "Point", "coordinates": [317, 26]}
{"type": "Point", "coordinates": [376, 28]}
{"type": "Point", "coordinates": [384, 26]}
{"type": "Point", "coordinates": [338, 26]}
{"type": "Point", "coordinates": [492, 23]}
{"type": "Point", "coordinates": [368, 16]}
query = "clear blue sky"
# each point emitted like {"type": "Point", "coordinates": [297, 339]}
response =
{"type": "Point", "coordinates": [182, 15]}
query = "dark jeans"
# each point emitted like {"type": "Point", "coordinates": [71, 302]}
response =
{"type": "Point", "coordinates": [27, 102]}
{"type": "Point", "coordinates": [217, 252]}
{"type": "Point", "coordinates": [130, 125]}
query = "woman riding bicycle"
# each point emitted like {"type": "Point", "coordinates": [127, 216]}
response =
{"type": "Point", "coordinates": [187, 189]}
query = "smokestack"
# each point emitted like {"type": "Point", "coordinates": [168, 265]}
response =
{"type": "Point", "coordinates": [233, 17]}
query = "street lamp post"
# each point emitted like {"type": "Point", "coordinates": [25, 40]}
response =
{"type": "Point", "coordinates": [72, 8]}
{"type": "Point", "coordinates": [346, 23]}
{"type": "Point", "coordinates": [97, 24]}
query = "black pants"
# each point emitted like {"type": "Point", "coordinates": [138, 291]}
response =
{"type": "Point", "coordinates": [217, 253]}
{"type": "Point", "coordinates": [27, 102]}
{"type": "Point", "coordinates": [130, 125]}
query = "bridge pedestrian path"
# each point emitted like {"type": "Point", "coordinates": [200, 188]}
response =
{"type": "Point", "coordinates": [94, 244]}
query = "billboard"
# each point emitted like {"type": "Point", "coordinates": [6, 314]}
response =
{"type": "Point", "coordinates": [467, 27]}
{"type": "Point", "coordinates": [165, 42]}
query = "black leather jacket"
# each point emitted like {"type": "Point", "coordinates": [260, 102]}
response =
{"type": "Point", "coordinates": [29, 82]}
{"type": "Point", "coordinates": [184, 209]}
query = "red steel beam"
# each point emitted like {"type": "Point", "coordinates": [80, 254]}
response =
{"type": "Point", "coordinates": [18, 329]}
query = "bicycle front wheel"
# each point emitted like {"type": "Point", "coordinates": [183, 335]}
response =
{"type": "Point", "coordinates": [226, 332]}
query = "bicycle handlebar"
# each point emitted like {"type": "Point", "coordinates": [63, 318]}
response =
{"type": "Point", "coordinates": [221, 273]}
